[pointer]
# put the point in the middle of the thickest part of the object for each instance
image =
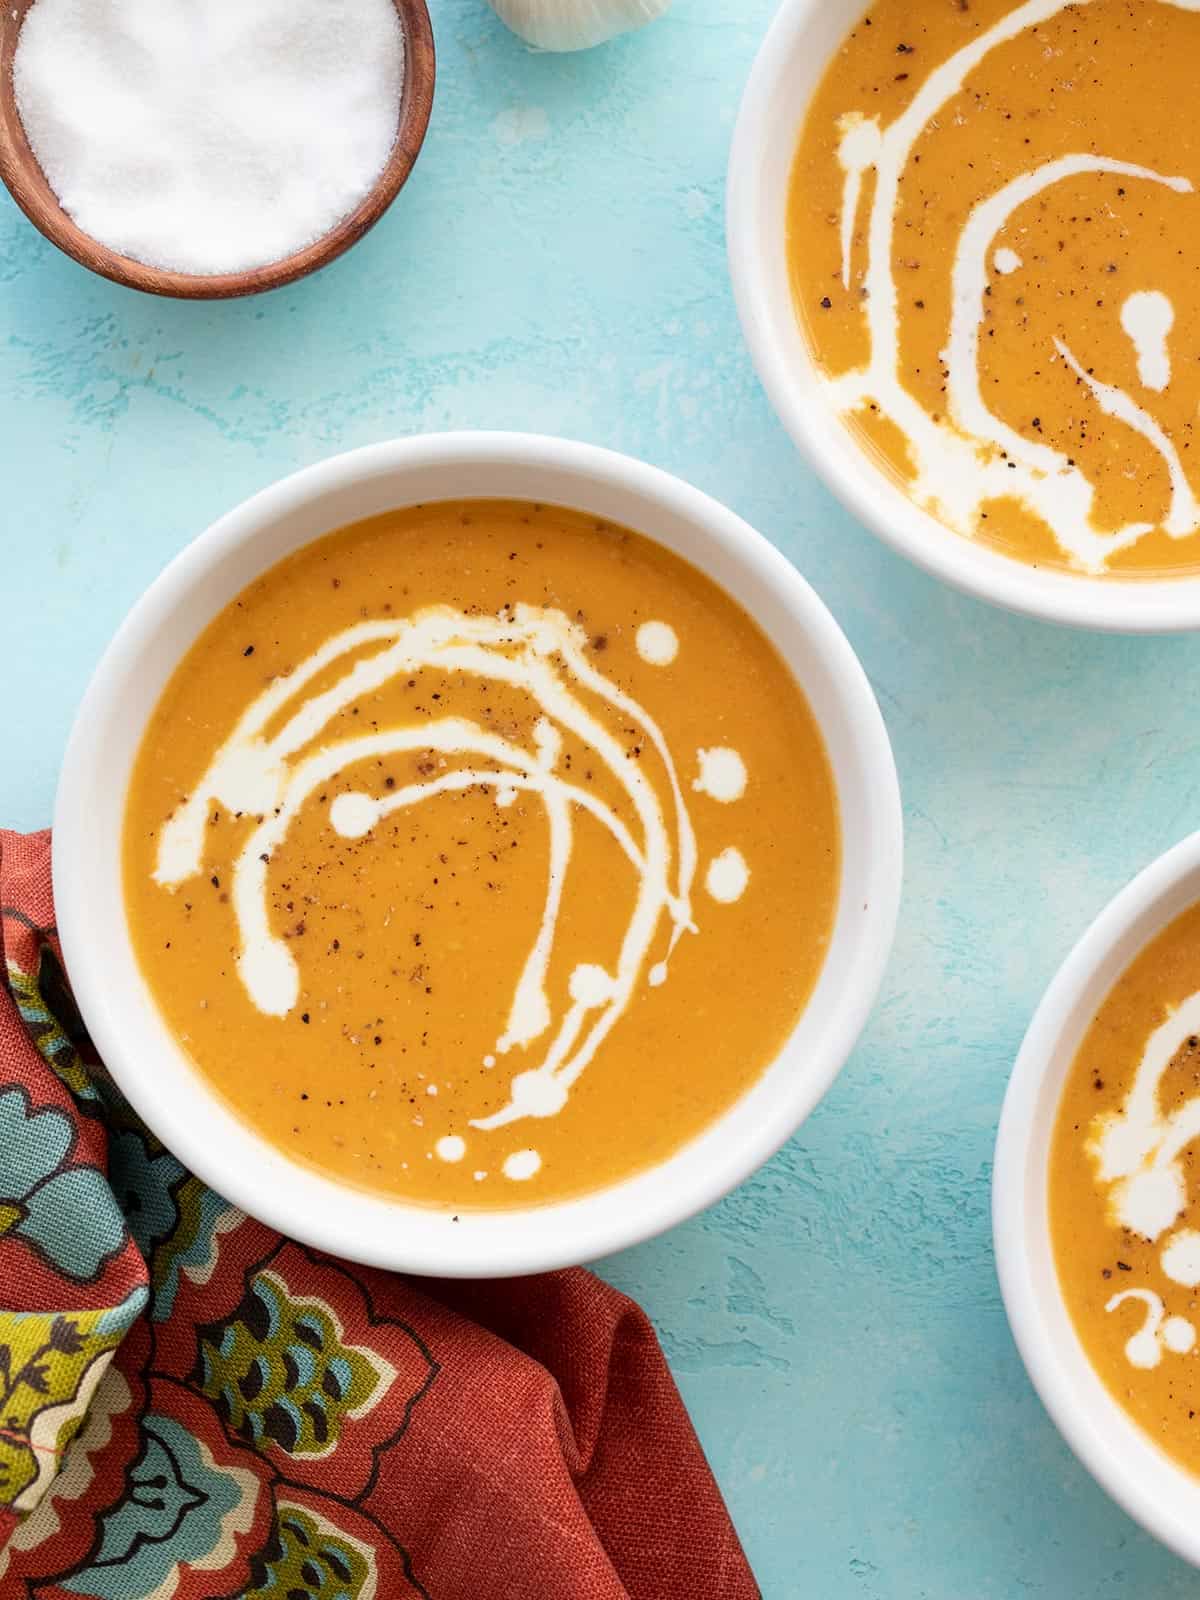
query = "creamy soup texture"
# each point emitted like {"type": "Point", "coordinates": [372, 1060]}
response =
{"type": "Point", "coordinates": [1124, 1195]}
{"type": "Point", "coordinates": [994, 240]}
{"type": "Point", "coordinates": [482, 853]}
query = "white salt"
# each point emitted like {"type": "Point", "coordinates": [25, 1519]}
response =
{"type": "Point", "coordinates": [210, 136]}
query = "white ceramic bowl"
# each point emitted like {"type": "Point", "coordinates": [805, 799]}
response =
{"type": "Point", "coordinates": [155, 1073]}
{"type": "Point", "coordinates": [1160, 1495]}
{"type": "Point", "coordinates": [789, 66]}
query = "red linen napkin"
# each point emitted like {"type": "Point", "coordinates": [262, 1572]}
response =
{"type": "Point", "coordinates": [193, 1406]}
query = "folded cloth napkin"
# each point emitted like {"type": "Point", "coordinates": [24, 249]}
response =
{"type": "Point", "coordinates": [192, 1406]}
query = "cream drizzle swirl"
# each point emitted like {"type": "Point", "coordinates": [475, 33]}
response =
{"type": "Point", "coordinates": [536, 651]}
{"type": "Point", "coordinates": [1158, 1332]}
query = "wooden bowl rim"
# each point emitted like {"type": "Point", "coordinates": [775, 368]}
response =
{"type": "Point", "coordinates": [27, 183]}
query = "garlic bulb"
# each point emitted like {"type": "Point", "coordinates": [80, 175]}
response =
{"type": "Point", "coordinates": [575, 24]}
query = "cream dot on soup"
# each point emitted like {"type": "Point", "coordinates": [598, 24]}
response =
{"type": "Point", "coordinates": [1180, 1258]}
{"type": "Point", "coordinates": [1148, 317]}
{"type": "Point", "coordinates": [1179, 1335]}
{"type": "Point", "coordinates": [727, 876]}
{"type": "Point", "coordinates": [657, 643]}
{"type": "Point", "coordinates": [352, 815]}
{"type": "Point", "coordinates": [522, 1165]}
{"type": "Point", "coordinates": [722, 774]}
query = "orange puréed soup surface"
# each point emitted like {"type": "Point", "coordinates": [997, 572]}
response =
{"type": "Point", "coordinates": [993, 236]}
{"type": "Point", "coordinates": [481, 812]}
{"type": "Point", "coordinates": [1124, 1204]}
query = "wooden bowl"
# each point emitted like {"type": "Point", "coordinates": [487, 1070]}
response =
{"type": "Point", "coordinates": [28, 186]}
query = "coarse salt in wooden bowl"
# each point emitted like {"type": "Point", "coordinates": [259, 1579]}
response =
{"type": "Point", "coordinates": [29, 187]}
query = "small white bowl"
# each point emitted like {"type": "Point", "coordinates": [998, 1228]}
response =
{"type": "Point", "coordinates": [157, 1076]}
{"type": "Point", "coordinates": [790, 64]}
{"type": "Point", "coordinates": [1123, 1459]}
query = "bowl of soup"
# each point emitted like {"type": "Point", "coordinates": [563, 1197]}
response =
{"type": "Point", "coordinates": [962, 240]}
{"type": "Point", "coordinates": [1096, 1199]}
{"type": "Point", "coordinates": [477, 853]}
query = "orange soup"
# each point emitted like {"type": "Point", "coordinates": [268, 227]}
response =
{"type": "Point", "coordinates": [992, 233]}
{"type": "Point", "coordinates": [1124, 1202]}
{"type": "Point", "coordinates": [482, 853]}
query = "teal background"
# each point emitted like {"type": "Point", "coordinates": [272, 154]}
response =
{"type": "Point", "coordinates": [557, 263]}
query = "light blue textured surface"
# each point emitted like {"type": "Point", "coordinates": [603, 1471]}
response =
{"type": "Point", "coordinates": [557, 263]}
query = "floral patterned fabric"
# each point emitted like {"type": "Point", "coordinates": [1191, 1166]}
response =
{"type": "Point", "coordinates": [193, 1407]}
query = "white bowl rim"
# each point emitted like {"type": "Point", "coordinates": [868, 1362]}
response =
{"type": "Point", "coordinates": [1112, 605]}
{"type": "Point", "coordinates": [418, 1239]}
{"type": "Point", "coordinates": [1090, 1430]}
